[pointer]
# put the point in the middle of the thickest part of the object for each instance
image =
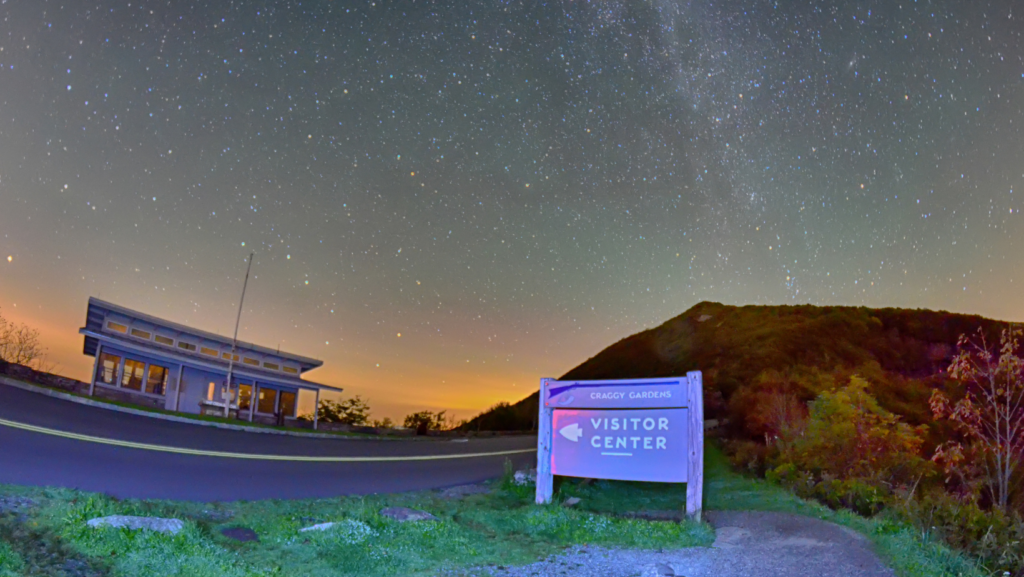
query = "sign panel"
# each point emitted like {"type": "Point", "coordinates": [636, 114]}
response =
{"type": "Point", "coordinates": [638, 394]}
{"type": "Point", "coordinates": [626, 445]}
{"type": "Point", "coordinates": [627, 430]}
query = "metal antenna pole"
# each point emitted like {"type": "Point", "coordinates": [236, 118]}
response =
{"type": "Point", "coordinates": [234, 340]}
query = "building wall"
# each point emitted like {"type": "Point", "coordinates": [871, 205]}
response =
{"type": "Point", "coordinates": [194, 385]}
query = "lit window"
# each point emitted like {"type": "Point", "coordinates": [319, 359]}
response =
{"type": "Point", "coordinates": [267, 400]}
{"type": "Point", "coordinates": [271, 366]}
{"type": "Point", "coordinates": [252, 362]}
{"type": "Point", "coordinates": [186, 346]}
{"type": "Point", "coordinates": [209, 351]}
{"type": "Point", "coordinates": [141, 334]}
{"type": "Point", "coordinates": [291, 370]}
{"type": "Point", "coordinates": [117, 327]}
{"type": "Point", "coordinates": [286, 405]}
{"type": "Point", "coordinates": [244, 397]}
{"type": "Point", "coordinates": [156, 380]}
{"type": "Point", "coordinates": [131, 378]}
{"type": "Point", "coordinates": [164, 340]}
{"type": "Point", "coordinates": [227, 356]}
{"type": "Point", "coordinates": [107, 371]}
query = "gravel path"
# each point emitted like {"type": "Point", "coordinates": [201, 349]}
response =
{"type": "Point", "coordinates": [748, 544]}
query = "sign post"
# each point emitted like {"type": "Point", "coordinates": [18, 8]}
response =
{"type": "Point", "coordinates": [628, 430]}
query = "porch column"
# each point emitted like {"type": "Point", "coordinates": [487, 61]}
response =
{"type": "Point", "coordinates": [316, 409]}
{"type": "Point", "coordinates": [177, 393]}
{"type": "Point", "coordinates": [95, 368]}
{"type": "Point", "coordinates": [255, 398]}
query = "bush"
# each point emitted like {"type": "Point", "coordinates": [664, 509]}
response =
{"type": "Point", "coordinates": [995, 538]}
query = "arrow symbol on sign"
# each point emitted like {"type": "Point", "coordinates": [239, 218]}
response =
{"type": "Point", "coordinates": [572, 432]}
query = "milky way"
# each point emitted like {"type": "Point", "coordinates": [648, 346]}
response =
{"type": "Point", "coordinates": [448, 201]}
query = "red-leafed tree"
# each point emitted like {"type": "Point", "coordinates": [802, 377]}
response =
{"type": "Point", "coordinates": [989, 417]}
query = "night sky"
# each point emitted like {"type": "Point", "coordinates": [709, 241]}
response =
{"type": "Point", "coordinates": [450, 200]}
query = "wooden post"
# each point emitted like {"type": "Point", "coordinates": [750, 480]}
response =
{"type": "Point", "coordinates": [545, 480]}
{"type": "Point", "coordinates": [695, 451]}
{"type": "Point", "coordinates": [316, 408]}
{"type": "Point", "coordinates": [96, 368]}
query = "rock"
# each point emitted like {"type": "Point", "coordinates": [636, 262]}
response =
{"type": "Point", "coordinates": [571, 502]}
{"type": "Point", "coordinates": [243, 534]}
{"type": "Point", "coordinates": [159, 524]}
{"type": "Point", "coordinates": [703, 318]}
{"type": "Point", "coordinates": [403, 514]}
{"type": "Point", "coordinates": [14, 504]}
{"type": "Point", "coordinates": [463, 490]}
{"type": "Point", "coordinates": [317, 527]}
{"type": "Point", "coordinates": [217, 515]}
{"type": "Point", "coordinates": [659, 570]}
{"type": "Point", "coordinates": [654, 515]}
{"type": "Point", "coordinates": [525, 477]}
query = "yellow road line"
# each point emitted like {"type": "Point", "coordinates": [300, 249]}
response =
{"type": "Point", "coordinates": [254, 456]}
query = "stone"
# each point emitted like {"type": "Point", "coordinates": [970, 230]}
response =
{"type": "Point", "coordinates": [703, 318]}
{"type": "Point", "coordinates": [464, 490]}
{"type": "Point", "coordinates": [571, 502]}
{"type": "Point", "coordinates": [318, 527]}
{"type": "Point", "coordinates": [13, 504]}
{"type": "Point", "coordinates": [659, 570]}
{"type": "Point", "coordinates": [676, 515]}
{"type": "Point", "coordinates": [403, 514]}
{"type": "Point", "coordinates": [159, 524]}
{"type": "Point", "coordinates": [217, 515]}
{"type": "Point", "coordinates": [243, 534]}
{"type": "Point", "coordinates": [525, 477]}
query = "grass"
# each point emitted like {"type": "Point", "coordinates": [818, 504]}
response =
{"type": "Point", "coordinates": [500, 528]}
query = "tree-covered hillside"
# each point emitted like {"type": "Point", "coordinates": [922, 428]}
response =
{"type": "Point", "coordinates": [902, 353]}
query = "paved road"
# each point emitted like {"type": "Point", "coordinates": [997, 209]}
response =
{"type": "Point", "coordinates": [32, 458]}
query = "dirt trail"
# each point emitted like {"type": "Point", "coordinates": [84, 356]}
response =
{"type": "Point", "coordinates": [748, 544]}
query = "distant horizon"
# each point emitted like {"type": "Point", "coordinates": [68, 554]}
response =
{"type": "Point", "coordinates": [396, 413]}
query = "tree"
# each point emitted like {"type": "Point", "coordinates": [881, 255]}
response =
{"type": "Point", "coordinates": [352, 411]}
{"type": "Point", "coordinates": [990, 416]}
{"type": "Point", "coordinates": [19, 344]}
{"type": "Point", "coordinates": [385, 423]}
{"type": "Point", "coordinates": [429, 420]}
{"type": "Point", "coordinates": [848, 435]}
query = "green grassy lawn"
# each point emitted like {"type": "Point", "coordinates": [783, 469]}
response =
{"type": "Point", "coordinates": [500, 528]}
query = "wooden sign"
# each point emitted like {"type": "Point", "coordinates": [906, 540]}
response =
{"type": "Point", "coordinates": [630, 430]}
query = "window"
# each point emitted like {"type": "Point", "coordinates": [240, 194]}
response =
{"type": "Point", "coordinates": [287, 403]}
{"type": "Point", "coordinates": [131, 378]}
{"type": "Point", "coordinates": [117, 327]}
{"type": "Point", "coordinates": [164, 340]}
{"type": "Point", "coordinates": [271, 366]}
{"type": "Point", "coordinates": [186, 346]}
{"type": "Point", "coordinates": [227, 356]}
{"type": "Point", "coordinates": [244, 397]}
{"type": "Point", "coordinates": [141, 334]}
{"type": "Point", "coordinates": [267, 400]}
{"type": "Point", "coordinates": [211, 392]}
{"type": "Point", "coordinates": [252, 362]}
{"type": "Point", "coordinates": [156, 380]}
{"type": "Point", "coordinates": [291, 370]}
{"type": "Point", "coordinates": [107, 371]}
{"type": "Point", "coordinates": [209, 351]}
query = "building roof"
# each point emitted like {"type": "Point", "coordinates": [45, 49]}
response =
{"type": "Point", "coordinates": [96, 329]}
